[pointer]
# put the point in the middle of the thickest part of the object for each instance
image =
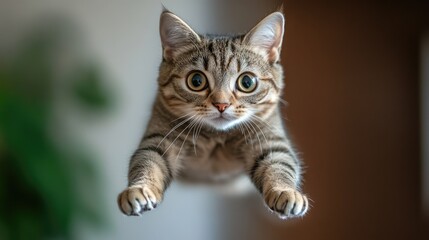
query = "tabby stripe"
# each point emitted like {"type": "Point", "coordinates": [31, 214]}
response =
{"type": "Point", "coordinates": [222, 60]}
{"type": "Point", "coordinates": [170, 79]}
{"type": "Point", "coordinates": [228, 44]}
{"type": "Point", "coordinates": [194, 60]}
{"type": "Point", "coordinates": [236, 139]}
{"type": "Point", "coordinates": [215, 59]}
{"type": "Point", "coordinates": [229, 61]}
{"type": "Point", "coordinates": [202, 134]}
{"type": "Point", "coordinates": [235, 94]}
{"type": "Point", "coordinates": [262, 95]}
{"type": "Point", "coordinates": [182, 137]}
{"type": "Point", "coordinates": [186, 96]}
{"type": "Point", "coordinates": [272, 82]}
{"type": "Point", "coordinates": [170, 99]}
{"type": "Point", "coordinates": [256, 181]}
{"type": "Point", "coordinates": [265, 110]}
{"type": "Point", "coordinates": [290, 152]}
{"type": "Point", "coordinates": [160, 152]}
{"type": "Point", "coordinates": [232, 48]}
{"type": "Point", "coordinates": [267, 152]}
{"type": "Point", "coordinates": [292, 171]}
{"type": "Point", "coordinates": [238, 65]}
{"type": "Point", "coordinates": [210, 47]}
{"type": "Point", "coordinates": [258, 161]}
{"type": "Point", "coordinates": [150, 148]}
{"type": "Point", "coordinates": [154, 135]}
{"type": "Point", "coordinates": [206, 63]}
{"type": "Point", "coordinates": [183, 58]}
{"type": "Point", "coordinates": [266, 103]}
{"type": "Point", "coordinates": [135, 169]}
{"type": "Point", "coordinates": [276, 138]}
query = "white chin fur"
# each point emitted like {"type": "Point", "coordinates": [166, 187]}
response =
{"type": "Point", "coordinates": [222, 124]}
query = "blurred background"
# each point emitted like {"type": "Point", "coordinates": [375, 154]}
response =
{"type": "Point", "coordinates": [77, 82]}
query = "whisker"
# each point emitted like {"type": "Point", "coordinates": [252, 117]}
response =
{"type": "Point", "coordinates": [262, 132]}
{"type": "Point", "coordinates": [242, 132]}
{"type": "Point", "coordinates": [257, 135]}
{"type": "Point", "coordinates": [192, 124]}
{"type": "Point", "coordinates": [196, 132]}
{"type": "Point", "coordinates": [181, 117]}
{"type": "Point", "coordinates": [174, 128]}
{"type": "Point", "coordinates": [177, 137]}
{"type": "Point", "coordinates": [270, 127]}
{"type": "Point", "coordinates": [246, 127]}
{"type": "Point", "coordinates": [282, 101]}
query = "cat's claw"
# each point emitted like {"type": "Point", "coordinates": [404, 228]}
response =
{"type": "Point", "coordinates": [135, 200]}
{"type": "Point", "coordinates": [287, 203]}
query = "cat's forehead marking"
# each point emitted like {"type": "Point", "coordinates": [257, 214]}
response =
{"type": "Point", "coordinates": [219, 59]}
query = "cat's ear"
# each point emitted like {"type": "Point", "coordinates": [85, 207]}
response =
{"type": "Point", "coordinates": [266, 37]}
{"type": "Point", "coordinates": [175, 34]}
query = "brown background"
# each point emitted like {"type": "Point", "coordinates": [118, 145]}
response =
{"type": "Point", "coordinates": [352, 83]}
{"type": "Point", "coordinates": [352, 75]}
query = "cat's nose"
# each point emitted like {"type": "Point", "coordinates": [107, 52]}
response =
{"type": "Point", "coordinates": [221, 106]}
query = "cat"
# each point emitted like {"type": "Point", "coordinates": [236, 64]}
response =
{"type": "Point", "coordinates": [216, 116]}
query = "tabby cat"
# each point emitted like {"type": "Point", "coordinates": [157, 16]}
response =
{"type": "Point", "coordinates": [216, 116]}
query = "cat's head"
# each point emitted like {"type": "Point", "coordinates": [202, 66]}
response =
{"type": "Point", "coordinates": [221, 81]}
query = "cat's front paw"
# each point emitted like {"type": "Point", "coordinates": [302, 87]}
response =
{"type": "Point", "coordinates": [287, 203]}
{"type": "Point", "coordinates": [135, 200]}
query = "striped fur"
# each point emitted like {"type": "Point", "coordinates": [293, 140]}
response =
{"type": "Point", "coordinates": [188, 137]}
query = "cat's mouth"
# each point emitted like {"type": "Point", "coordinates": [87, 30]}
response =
{"type": "Point", "coordinates": [222, 121]}
{"type": "Point", "coordinates": [221, 118]}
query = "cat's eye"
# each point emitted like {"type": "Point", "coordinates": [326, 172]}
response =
{"type": "Point", "coordinates": [246, 82]}
{"type": "Point", "coordinates": [197, 81]}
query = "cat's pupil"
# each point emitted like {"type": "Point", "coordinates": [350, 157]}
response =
{"type": "Point", "coordinates": [197, 80]}
{"type": "Point", "coordinates": [247, 82]}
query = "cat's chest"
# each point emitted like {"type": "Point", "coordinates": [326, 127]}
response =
{"type": "Point", "coordinates": [210, 151]}
{"type": "Point", "coordinates": [212, 159]}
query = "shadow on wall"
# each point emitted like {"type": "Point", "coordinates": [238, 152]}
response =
{"type": "Point", "coordinates": [47, 179]}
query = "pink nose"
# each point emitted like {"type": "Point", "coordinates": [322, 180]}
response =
{"type": "Point", "coordinates": [221, 106]}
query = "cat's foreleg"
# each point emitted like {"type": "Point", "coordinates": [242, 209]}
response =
{"type": "Point", "coordinates": [149, 175]}
{"type": "Point", "coordinates": [276, 174]}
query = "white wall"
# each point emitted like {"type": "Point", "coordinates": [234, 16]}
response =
{"type": "Point", "coordinates": [122, 36]}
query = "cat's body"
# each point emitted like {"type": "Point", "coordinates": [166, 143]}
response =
{"type": "Point", "coordinates": [209, 155]}
{"type": "Point", "coordinates": [216, 117]}
{"type": "Point", "coordinates": [206, 156]}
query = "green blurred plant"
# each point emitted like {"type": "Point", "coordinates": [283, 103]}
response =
{"type": "Point", "coordinates": [39, 196]}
